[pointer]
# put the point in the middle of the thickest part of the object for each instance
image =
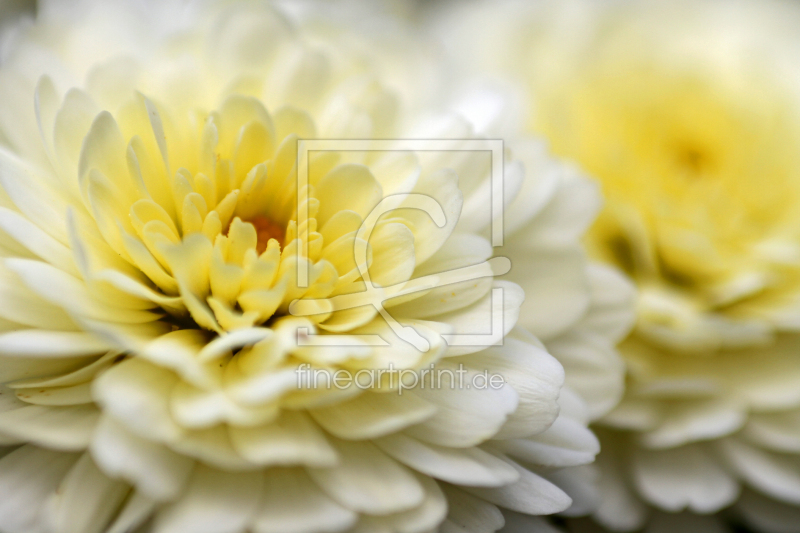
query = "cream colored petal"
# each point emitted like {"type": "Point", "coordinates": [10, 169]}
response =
{"type": "Point", "coordinates": [213, 447]}
{"type": "Point", "coordinates": [480, 318]}
{"type": "Point", "coordinates": [556, 287]}
{"type": "Point", "coordinates": [85, 501]}
{"type": "Point", "coordinates": [57, 396]}
{"type": "Point", "coordinates": [466, 416]}
{"type": "Point", "coordinates": [442, 186]}
{"type": "Point", "coordinates": [198, 408]}
{"type": "Point", "coordinates": [156, 472]}
{"type": "Point", "coordinates": [347, 187]}
{"type": "Point", "coordinates": [136, 393]}
{"type": "Point", "coordinates": [620, 508]}
{"type": "Point", "coordinates": [774, 474]}
{"type": "Point", "coordinates": [292, 503]}
{"type": "Point", "coordinates": [460, 466]}
{"type": "Point", "coordinates": [61, 428]}
{"type": "Point", "coordinates": [292, 439]}
{"type": "Point", "coordinates": [469, 513]}
{"type": "Point", "coordinates": [565, 443]}
{"type": "Point", "coordinates": [535, 376]}
{"type": "Point", "coordinates": [593, 368]}
{"type": "Point", "coordinates": [367, 480]}
{"type": "Point", "coordinates": [24, 306]}
{"type": "Point", "coordinates": [179, 351]}
{"type": "Point", "coordinates": [41, 205]}
{"type": "Point", "coordinates": [425, 517]}
{"type": "Point", "coordinates": [72, 123]}
{"type": "Point", "coordinates": [215, 502]}
{"type": "Point", "coordinates": [687, 477]}
{"type": "Point", "coordinates": [36, 240]}
{"type": "Point", "coordinates": [38, 343]}
{"type": "Point", "coordinates": [66, 291]}
{"type": "Point", "coordinates": [695, 420]}
{"type": "Point", "coordinates": [370, 415]}
{"type": "Point", "coordinates": [532, 494]}
{"type": "Point", "coordinates": [28, 475]}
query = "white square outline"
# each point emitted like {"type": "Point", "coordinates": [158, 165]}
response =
{"type": "Point", "coordinates": [497, 210]}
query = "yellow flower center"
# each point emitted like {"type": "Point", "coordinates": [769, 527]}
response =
{"type": "Point", "coordinates": [699, 171]}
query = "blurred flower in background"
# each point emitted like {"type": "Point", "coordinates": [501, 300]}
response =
{"type": "Point", "coordinates": [688, 115]}
{"type": "Point", "coordinates": [151, 239]}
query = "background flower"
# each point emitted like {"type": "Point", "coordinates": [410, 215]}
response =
{"type": "Point", "coordinates": [150, 244]}
{"type": "Point", "coordinates": [688, 116]}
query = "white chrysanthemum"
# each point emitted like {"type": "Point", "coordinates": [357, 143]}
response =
{"type": "Point", "coordinates": [578, 309]}
{"type": "Point", "coordinates": [150, 249]}
{"type": "Point", "coordinates": [689, 116]}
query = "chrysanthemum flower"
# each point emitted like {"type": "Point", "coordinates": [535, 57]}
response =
{"type": "Point", "coordinates": [689, 116]}
{"type": "Point", "coordinates": [153, 236]}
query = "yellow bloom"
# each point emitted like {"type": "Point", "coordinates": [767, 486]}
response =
{"type": "Point", "coordinates": [688, 115]}
{"type": "Point", "coordinates": [156, 231]}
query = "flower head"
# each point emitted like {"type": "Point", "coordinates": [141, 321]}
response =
{"type": "Point", "coordinates": [688, 116]}
{"type": "Point", "coordinates": [179, 278]}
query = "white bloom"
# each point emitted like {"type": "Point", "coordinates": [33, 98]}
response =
{"type": "Point", "coordinates": [151, 239]}
{"type": "Point", "coordinates": [689, 117]}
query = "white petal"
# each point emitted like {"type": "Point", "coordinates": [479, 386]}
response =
{"type": "Point", "coordinates": [684, 477]}
{"type": "Point", "coordinates": [211, 446]}
{"type": "Point", "coordinates": [612, 309]}
{"type": "Point", "coordinates": [466, 416]}
{"type": "Point", "coordinates": [774, 474]}
{"type": "Point", "coordinates": [367, 480]}
{"type": "Point", "coordinates": [57, 396]}
{"type": "Point", "coordinates": [422, 518]}
{"type": "Point", "coordinates": [370, 415]}
{"type": "Point", "coordinates": [63, 428]}
{"type": "Point", "coordinates": [480, 317]}
{"type": "Point", "coordinates": [532, 494]}
{"type": "Point", "coordinates": [42, 343]}
{"type": "Point", "coordinates": [40, 204]}
{"type": "Point", "coordinates": [467, 466]}
{"type": "Point", "coordinates": [470, 514]}
{"type": "Point", "coordinates": [24, 306]}
{"type": "Point", "coordinates": [581, 485]}
{"type": "Point", "coordinates": [85, 501]}
{"type": "Point", "coordinates": [292, 503]}
{"type": "Point", "coordinates": [156, 471]}
{"type": "Point", "coordinates": [568, 214]}
{"type": "Point", "coordinates": [136, 393]}
{"type": "Point", "coordinates": [215, 502]}
{"type": "Point", "coordinates": [27, 476]}
{"type": "Point", "coordinates": [536, 377]}
{"type": "Point", "coordinates": [37, 241]}
{"type": "Point", "coordinates": [593, 368]}
{"type": "Point", "coordinates": [556, 287]}
{"type": "Point", "coordinates": [292, 439]}
{"type": "Point", "coordinates": [66, 291]}
{"type": "Point", "coordinates": [566, 443]}
{"type": "Point", "coordinates": [443, 187]}
{"type": "Point", "coordinates": [620, 508]}
{"type": "Point", "coordinates": [695, 420]}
